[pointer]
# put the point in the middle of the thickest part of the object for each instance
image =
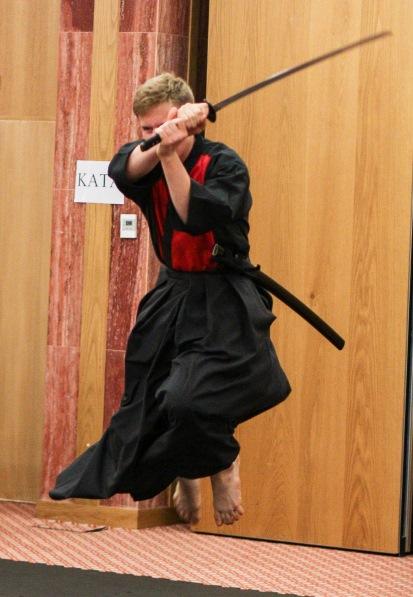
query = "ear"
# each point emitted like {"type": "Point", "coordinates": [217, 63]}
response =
{"type": "Point", "coordinates": [173, 113]}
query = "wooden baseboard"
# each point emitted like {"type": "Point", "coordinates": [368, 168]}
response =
{"type": "Point", "coordinates": [128, 518]}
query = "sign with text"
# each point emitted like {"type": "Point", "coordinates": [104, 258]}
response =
{"type": "Point", "coordinates": [93, 184]}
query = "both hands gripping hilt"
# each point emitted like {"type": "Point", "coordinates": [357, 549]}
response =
{"type": "Point", "coordinates": [155, 139]}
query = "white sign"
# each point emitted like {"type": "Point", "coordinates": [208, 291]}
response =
{"type": "Point", "coordinates": [93, 184]}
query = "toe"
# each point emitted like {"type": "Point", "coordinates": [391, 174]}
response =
{"type": "Point", "coordinates": [183, 515]}
{"type": "Point", "coordinates": [228, 519]}
{"type": "Point", "coordinates": [218, 518]}
{"type": "Point", "coordinates": [238, 512]}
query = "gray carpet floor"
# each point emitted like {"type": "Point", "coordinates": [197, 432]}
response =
{"type": "Point", "coordinates": [23, 579]}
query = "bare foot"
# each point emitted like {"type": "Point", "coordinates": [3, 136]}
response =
{"type": "Point", "coordinates": [187, 499]}
{"type": "Point", "coordinates": [226, 489]}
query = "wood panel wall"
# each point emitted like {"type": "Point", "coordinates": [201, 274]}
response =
{"type": "Point", "coordinates": [330, 154]}
{"type": "Point", "coordinates": [28, 55]}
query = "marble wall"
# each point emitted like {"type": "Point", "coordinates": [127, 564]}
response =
{"type": "Point", "coordinates": [153, 37]}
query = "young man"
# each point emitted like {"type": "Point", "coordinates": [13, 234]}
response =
{"type": "Point", "coordinates": [199, 360]}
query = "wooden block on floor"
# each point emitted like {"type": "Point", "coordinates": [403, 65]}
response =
{"type": "Point", "coordinates": [128, 518]}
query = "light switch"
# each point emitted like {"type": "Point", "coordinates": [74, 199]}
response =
{"type": "Point", "coordinates": [128, 226]}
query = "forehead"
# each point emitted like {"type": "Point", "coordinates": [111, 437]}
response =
{"type": "Point", "coordinates": [156, 115]}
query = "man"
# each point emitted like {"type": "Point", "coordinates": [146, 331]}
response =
{"type": "Point", "coordinates": [199, 360]}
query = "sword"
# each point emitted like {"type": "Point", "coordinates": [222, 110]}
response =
{"type": "Point", "coordinates": [214, 108]}
{"type": "Point", "coordinates": [233, 262]}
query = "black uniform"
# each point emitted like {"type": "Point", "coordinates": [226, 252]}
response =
{"type": "Point", "coordinates": [199, 360]}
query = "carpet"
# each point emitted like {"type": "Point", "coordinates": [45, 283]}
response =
{"type": "Point", "coordinates": [176, 554]}
{"type": "Point", "coordinates": [23, 579]}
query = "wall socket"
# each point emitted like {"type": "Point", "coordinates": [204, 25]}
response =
{"type": "Point", "coordinates": [128, 226]}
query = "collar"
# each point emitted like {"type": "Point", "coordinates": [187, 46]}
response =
{"type": "Point", "coordinates": [196, 151]}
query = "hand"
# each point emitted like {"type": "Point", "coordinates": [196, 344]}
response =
{"type": "Point", "coordinates": [195, 116]}
{"type": "Point", "coordinates": [172, 132]}
{"type": "Point", "coordinates": [181, 123]}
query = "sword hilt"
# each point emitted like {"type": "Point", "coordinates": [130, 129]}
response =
{"type": "Point", "coordinates": [151, 142]}
{"type": "Point", "coordinates": [212, 114]}
{"type": "Point", "coordinates": [155, 139]}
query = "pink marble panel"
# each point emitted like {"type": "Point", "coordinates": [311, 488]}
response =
{"type": "Point", "coordinates": [77, 15]}
{"type": "Point", "coordinates": [129, 258]}
{"type": "Point", "coordinates": [128, 280]}
{"type": "Point", "coordinates": [113, 394]}
{"type": "Point", "coordinates": [73, 106]}
{"type": "Point", "coordinates": [174, 16]}
{"type": "Point", "coordinates": [114, 375]}
{"type": "Point", "coordinates": [138, 15]}
{"type": "Point", "coordinates": [172, 54]}
{"type": "Point", "coordinates": [66, 275]}
{"type": "Point", "coordinates": [59, 444]}
{"type": "Point", "coordinates": [121, 499]}
{"type": "Point", "coordinates": [124, 499]}
{"type": "Point", "coordinates": [128, 271]}
{"type": "Point", "coordinates": [159, 501]}
{"type": "Point", "coordinates": [136, 63]}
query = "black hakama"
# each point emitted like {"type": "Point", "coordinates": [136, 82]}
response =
{"type": "Point", "coordinates": [199, 360]}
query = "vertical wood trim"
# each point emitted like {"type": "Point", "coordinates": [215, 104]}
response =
{"type": "Point", "coordinates": [97, 229]}
{"type": "Point", "coordinates": [192, 42]}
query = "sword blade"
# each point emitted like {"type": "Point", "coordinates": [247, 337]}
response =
{"type": "Point", "coordinates": [214, 108]}
{"type": "Point", "coordinates": [290, 71]}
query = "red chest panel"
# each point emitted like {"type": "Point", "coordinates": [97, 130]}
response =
{"type": "Point", "coordinates": [160, 201]}
{"type": "Point", "coordinates": [189, 253]}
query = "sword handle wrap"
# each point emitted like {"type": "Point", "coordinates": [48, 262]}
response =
{"type": "Point", "coordinates": [155, 139]}
{"type": "Point", "coordinates": [148, 143]}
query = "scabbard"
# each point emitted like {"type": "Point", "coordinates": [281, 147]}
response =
{"type": "Point", "coordinates": [225, 258]}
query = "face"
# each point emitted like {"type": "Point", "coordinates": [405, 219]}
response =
{"type": "Point", "coordinates": [153, 118]}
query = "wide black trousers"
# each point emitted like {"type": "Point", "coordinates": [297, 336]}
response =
{"type": "Point", "coordinates": [199, 361]}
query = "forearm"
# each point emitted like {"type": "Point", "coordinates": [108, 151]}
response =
{"type": "Point", "coordinates": [179, 183]}
{"type": "Point", "coordinates": [141, 162]}
{"type": "Point", "coordinates": [176, 143]}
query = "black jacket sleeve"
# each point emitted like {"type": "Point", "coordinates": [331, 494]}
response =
{"type": "Point", "coordinates": [139, 190]}
{"type": "Point", "coordinates": [223, 198]}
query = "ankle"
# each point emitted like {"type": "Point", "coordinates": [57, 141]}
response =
{"type": "Point", "coordinates": [226, 472]}
{"type": "Point", "coordinates": [188, 482]}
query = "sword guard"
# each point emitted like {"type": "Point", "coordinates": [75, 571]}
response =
{"type": "Point", "coordinates": [212, 114]}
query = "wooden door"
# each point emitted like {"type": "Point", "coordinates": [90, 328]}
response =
{"type": "Point", "coordinates": [330, 156]}
{"type": "Point", "coordinates": [28, 63]}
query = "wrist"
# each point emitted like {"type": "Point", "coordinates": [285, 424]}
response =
{"type": "Point", "coordinates": [166, 154]}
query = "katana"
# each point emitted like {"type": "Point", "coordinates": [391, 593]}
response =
{"type": "Point", "coordinates": [214, 108]}
{"type": "Point", "coordinates": [225, 258]}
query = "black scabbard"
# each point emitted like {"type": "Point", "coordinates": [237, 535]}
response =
{"type": "Point", "coordinates": [223, 257]}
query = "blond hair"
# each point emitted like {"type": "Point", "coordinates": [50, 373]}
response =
{"type": "Point", "coordinates": [166, 87]}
